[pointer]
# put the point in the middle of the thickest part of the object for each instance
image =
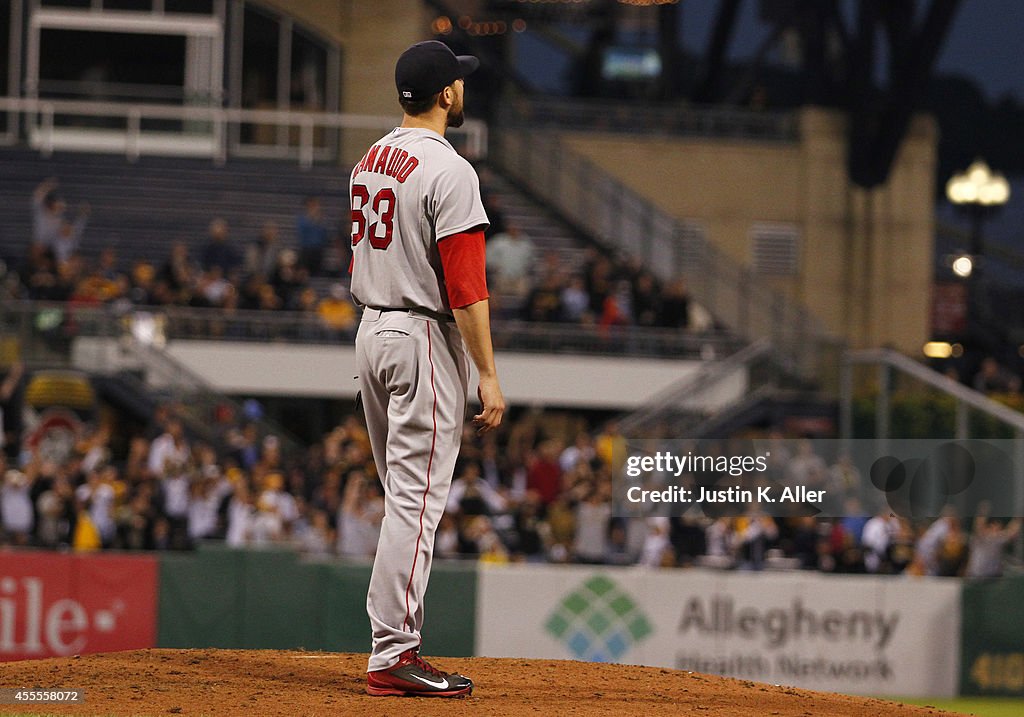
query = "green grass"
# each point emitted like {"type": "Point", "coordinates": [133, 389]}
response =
{"type": "Point", "coordinates": [978, 706]}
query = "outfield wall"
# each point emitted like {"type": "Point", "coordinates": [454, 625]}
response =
{"type": "Point", "coordinates": [849, 634]}
{"type": "Point", "coordinates": [852, 634]}
{"type": "Point", "coordinates": [992, 639]}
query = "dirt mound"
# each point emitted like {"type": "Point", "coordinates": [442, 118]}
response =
{"type": "Point", "coordinates": [258, 683]}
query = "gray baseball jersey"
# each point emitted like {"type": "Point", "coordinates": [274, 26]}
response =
{"type": "Point", "coordinates": [410, 189]}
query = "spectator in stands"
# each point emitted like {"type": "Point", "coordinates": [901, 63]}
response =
{"type": "Point", "coordinates": [54, 506]}
{"type": "Point", "coordinates": [98, 494]}
{"type": "Point", "coordinates": [312, 232]}
{"type": "Point", "coordinates": [241, 513]}
{"type": "Point", "coordinates": [755, 533]}
{"type": "Point", "coordinates": [574, 301]}
{"type": "Point", "coordinates": [646, 300]}
{"type": "Point", "coordinates": [581, 451]}
{"type": "Point", "coordinates": [986, 546]}
{"type": "Point", "coordinates": [544, 302]}
{"type": "Point", "coordinates": [806, 468]}
{"type": "Point", "coordinates": [616, 310]}
{"type": "Point", "coordinates": [265, 527]}
{"type": "Point", "coordinates": [610, 446]}
{"type": "Point", "coordinates": [471, 495]}
{"type": "Point", "coordinates": [719, 539]}
{"type": "Point", "coordinates": [211, 289]}
{"type": "Point", "coordinates": [993, 378]}
{"type": "Point", "coordinates": [687, 536]}
{"type": "Point", "coordinates": [261, 254]}
{"type": "Point", "coordinates": [338, 254]}
{"type": "Point", "coordinates": [69, 237]}
{"type": "Point", "coordinates": [620, 552]}
{"type": "Point", "coordinates": [953, 551]}
{"type": "Point", "coordinates": [306, 327]}
{"type": "Point", "coordinates": [494, 465]}
{"type": "Point", "coordinates": [315, 536]}
{"type": "Point", "coordinates": [492, 550]}
{"type": "Point", "coordinates": [169, 458]}
{"type": "Point", "coordinates": [47, 213]}
{"type": "Point", "coordinates": [51, 228]}
{"type": "Point", "coordinates": [337, 313]}
{"type": "Point", "coordinates": [531, 533]}
{"type": "Point", "coordinates": [929, 552]}
{"type": "Point", "coordinates": [362, 510]}
{"type": "Point", "coordinates": [135, 522]}
{"type": "Point", "coordinates": [593, 514]}
{"type": "Point", "coordinates": [544, 474]}
{"type": "Point", "coordinates": [510, 257]}
{"type": "Point", "coordinates": [179, 271]}
{"type": "Point", "coordinates": [84, 536]}
{"type": "Point", "coordinates": [143, 284]}
{"type": "Point", "coordinates": [561, 529]}
{"type": "Point", "coordinates": [40, 276]}
{"type": "Point", "coordinates": [17, 517]}
{"type": "Point", "coordinates": [446, 540]}
{"type": "Point", "coordinates": [657, 548]}
{"type": "Point", "coordinates": [675, 306]}
{"type": "Point", "coordinates": [598, 275]}
{"type": "Point", "coordinates": [287, 281]}
{"type": "Point", "coordinates": [107, 264]}
{"type": "Point", "coordinates": [218, 250]}
{"type": "Point", "coordinates": [208, 492]}
{"type": "Point", "coordinates": [876, 539]}
{"type": "Point", "coordinates": [495, 210]}
{"type": "Point", "coordinates": [10, 415]}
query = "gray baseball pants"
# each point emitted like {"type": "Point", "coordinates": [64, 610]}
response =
{"type": "Point", "coordinates": [413, 376]}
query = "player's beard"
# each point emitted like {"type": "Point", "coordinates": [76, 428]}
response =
{"type": "Point", "coordinates": [456, 116]}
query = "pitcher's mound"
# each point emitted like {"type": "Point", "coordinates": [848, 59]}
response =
{"type": "Point", "coordinates": [262, 683]}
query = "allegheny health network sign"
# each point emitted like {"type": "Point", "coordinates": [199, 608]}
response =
{"type": "Point", "coordinates": [851, 634]}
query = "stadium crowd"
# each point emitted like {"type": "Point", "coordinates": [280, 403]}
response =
{"type": "Point", "coordinates": [62, 263]}
{"type": "Point", "coordinates": [538, 492]}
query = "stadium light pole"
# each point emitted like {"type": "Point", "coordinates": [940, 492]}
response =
{"type": "Point", "coordinates": [977, 191]}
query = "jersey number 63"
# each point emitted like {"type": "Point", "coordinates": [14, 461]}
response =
{"type": "Point", "coordinates": [382, 207]}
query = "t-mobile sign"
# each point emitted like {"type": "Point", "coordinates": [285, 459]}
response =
{"type": "Point", "coordinates": [55, 605]}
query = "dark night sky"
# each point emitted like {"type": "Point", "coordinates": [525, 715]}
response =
{"type": "Point", "coordinates": [983, 43]}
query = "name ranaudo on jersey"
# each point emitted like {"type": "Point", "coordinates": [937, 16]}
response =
{"type": "Point", "coordinates": [389, 161]}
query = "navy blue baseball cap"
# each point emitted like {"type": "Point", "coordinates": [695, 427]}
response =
{"type": "Point", "coordinates": [428, 67]}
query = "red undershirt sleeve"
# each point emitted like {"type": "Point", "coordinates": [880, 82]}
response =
{"type": "Point", "coordinates": [462, 257]}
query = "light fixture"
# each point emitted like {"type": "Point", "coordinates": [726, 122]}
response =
{"type": "Point", "coordinates": [963, 266]}
{"type": "Point", "coordinates": [938, 349]}
{"type": "Point", "coordinates": [978, 185]}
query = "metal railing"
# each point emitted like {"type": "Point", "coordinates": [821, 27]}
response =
{"type": "Point", "coordinates": [604, 208]}
{"type": "Point", "coordinates": [675, 119]}
{"type": "Point", "coordinates": [45, 330]}
{"type": "Point", "coordinates": [198, 399]}
{"type": "Point", "coordinates": [52, 124]}
{"type": "Point", "coordinates": [45, 334]}
{"type": "Point", "coordinates": [683, 407]}
{"type": "Point", "coordinates": [891, 369]}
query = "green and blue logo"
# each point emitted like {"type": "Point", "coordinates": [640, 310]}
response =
{"type": "Point", "coordinates": [598, 621]}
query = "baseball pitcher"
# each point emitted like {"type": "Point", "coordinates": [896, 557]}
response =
{"type": "Point", "coordinates": [418, 271]}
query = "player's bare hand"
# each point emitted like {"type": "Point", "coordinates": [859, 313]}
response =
{"type": "Point", "coordinates": [492, 406]}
